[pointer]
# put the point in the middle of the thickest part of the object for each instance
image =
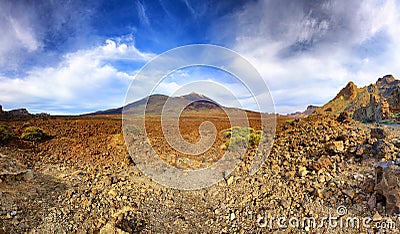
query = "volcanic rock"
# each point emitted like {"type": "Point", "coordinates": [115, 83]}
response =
{"type": "Point", "coordinates": [387, 184]}
{"type": "Point", "coordinates": [375, 111]}
{"type": "Point", "coordinates": [377, 133]}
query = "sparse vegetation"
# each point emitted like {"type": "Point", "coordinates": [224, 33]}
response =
{"type": "Point", "coordinates": [242, 137]}
{"type": "Point", "coordinates": [35, 134]}
{"type": "Point", "coordinates": [5, 134]}
{"type": "Point", "coordinates": [132, 129]}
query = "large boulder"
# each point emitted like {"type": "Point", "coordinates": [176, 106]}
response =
{"type": "Point", "coordinates": [378, 133]}
{"type": "Point", "coordinates": [12, 170]}
{"type": "Point", "coordinates": [387, 184]}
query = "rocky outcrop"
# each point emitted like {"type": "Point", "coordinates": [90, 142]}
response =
{"type": "Point", "coordinates": [348, 92]}
{"type": "Point", "coordinates": [378, 146]}
{"type": "Point", "coordinates": [345, 101]}
{"type": "Point", "coordinates": [387, 184]}
{"type": "Point", "coordinates": [21, 113]}
{"type": "Point", "coordinates": [375, 111]}
{"type": "Point", "coordinates": [18, 112]}
{"type": "Point", "coordinates": [372, 103]}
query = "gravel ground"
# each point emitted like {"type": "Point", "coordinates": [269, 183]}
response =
{"type": "Point", "coordinates": [83, 180]}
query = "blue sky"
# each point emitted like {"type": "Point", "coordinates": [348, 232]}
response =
{"type": "Point", "coordinates": [69, 57]}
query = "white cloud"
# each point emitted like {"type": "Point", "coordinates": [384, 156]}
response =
{"type": "Point", "coordinates": [25, 35]}
{"type": "Point", "coordinates": [16, 37]}
{"type": "Point", "coordinates": [308, 51]}
{"type": "Point", "coordinates": [84, 80]}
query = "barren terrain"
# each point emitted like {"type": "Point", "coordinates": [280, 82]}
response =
{"type": "Point", "coordinates": [83, 180]}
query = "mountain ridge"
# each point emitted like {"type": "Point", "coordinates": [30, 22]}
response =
{"type": "Point", "coordinates": [154, 104]}
{"type": "Point", "coordinates": [376, 102]}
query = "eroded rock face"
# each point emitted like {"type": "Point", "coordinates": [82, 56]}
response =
{"type": "Point", "coordinates": [18, 112]}
{"type": "Point", "coordinates": [348, 92]}
{"type": "Point", "coordinates": [387, 184]}
{"type": "Point", "coordinates": [375, 111]}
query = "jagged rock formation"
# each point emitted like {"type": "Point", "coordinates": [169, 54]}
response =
{"type": "Point", "coordinates": [348, 92]}
{"type": "Point", "coordinates": [17, 113]}
{"type": "Point", "coordinates": [375, 111]}
{"type": "Point", "coordinates": [373, 103]}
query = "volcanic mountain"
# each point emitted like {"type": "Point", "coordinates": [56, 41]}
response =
{"type": "Point", "coordinates": [375, 102]}
{"type": "Point", "coordinates": [155, 103]}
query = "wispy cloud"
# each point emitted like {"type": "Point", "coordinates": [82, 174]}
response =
{"type": "Point", "coordinates": [308, 50]}
{"type": "Point", "coordinates": [35, 33]}
{"type": "Point", "coordinates": [142, 14]}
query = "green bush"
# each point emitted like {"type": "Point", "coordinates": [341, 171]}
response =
{"type": "Point", "coordinates": [242, 137]}
{"type": "Point", "coordinates": [5, 134]}
{"type": "Point", "coordinates": [34, 134]}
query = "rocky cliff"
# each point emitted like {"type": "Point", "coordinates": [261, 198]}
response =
{"type": "Point", "coordinates": [373, 103]}
{"type": "Point", "coordinates": [17, 113]}
{"type": "Point", "coordinates": [375, 111]}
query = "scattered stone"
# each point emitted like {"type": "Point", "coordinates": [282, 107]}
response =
{"type": "Point", "coordinates": [28, 175]}
{"type": "Point", "coordinates": [111, 229]}
{"type": "Point", "coordinates": [372, 202]}
{"type": "Point", "coordinates": [349, 192]}
{"type": "Point", "coordinates": [76, 173]}
{"type": "Point", "coordinates": [321, 179]}
{"type": "Point", "coordinates": [377, 217]}
{"type": "Point", "coordinates": [323, 162]}
{"type": "Point", "coordinates": [344, 117]}
{"type": "Point", "coordinates": [378, 133]}
{"type": "Point", "coordinates": [113, 193]}
{"type": "Point", "coordinates": [396, 142]}
{"type": "Point", "coordinates": [232, 216]}
{"type": "Point", "coordinates": [302, 171]}
{"type": "Point", "coordinates": [12, 170]}
{"type": "Point", "coordinates": [335, 147]}
{"type": "Point", "coordinates": [229, 181]}
{"type": "Point", "coordinates": [301, 176]}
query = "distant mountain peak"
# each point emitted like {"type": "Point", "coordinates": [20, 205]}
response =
{"type": "Point", "coordinates": [386, 79]}
{"type": "Point", "coordinates": [154, 104]}
{"type": "Point", "coordinates": [308, 111]}
{"type": "Point", "coordinates": [193, 96]}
